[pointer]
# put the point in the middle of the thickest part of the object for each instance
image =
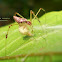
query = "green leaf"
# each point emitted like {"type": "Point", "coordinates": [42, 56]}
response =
{"type": "Point", "coordinates": [47, 38]}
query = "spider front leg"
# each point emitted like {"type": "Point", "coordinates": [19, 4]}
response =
{"type": "Point", "coordinates": [8, 30]}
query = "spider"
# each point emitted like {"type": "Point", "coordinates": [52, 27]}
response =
{"type": "Point", "coordinates": [24, 24]}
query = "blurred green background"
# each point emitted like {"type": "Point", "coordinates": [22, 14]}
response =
{"type": "Point", "coordinates": [9, 7]}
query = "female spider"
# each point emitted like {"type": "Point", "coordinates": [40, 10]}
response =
{"type": "Point", "coordinates": [24, 24]}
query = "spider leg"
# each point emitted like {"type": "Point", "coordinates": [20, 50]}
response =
{"type": "Point", "coordinates": [31, 20]}
{"type": "Point", "coordinates": [6, 37]}
{"type": "Point", "coordinates": [8, 30]}
{"type": "Point", "coordinates": [30, 15]}
{"type": "Point", "coordinates": [37, 14]}
{"type": "Point", "coordinates": [18, 15]}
